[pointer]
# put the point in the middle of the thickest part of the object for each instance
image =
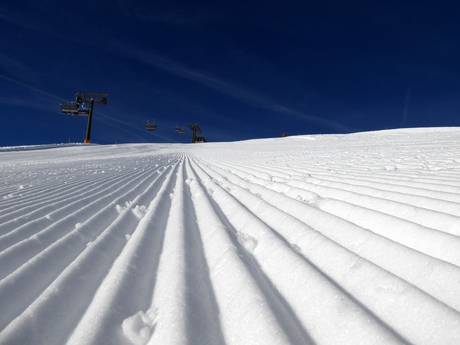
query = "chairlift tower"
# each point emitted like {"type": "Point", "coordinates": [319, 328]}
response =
{"type": "Point", "coordinates": [196, 130]}
{"type": "Point", "coordinates": [84, 106]}
{"type": "Point", "coordinates": [196, 133]}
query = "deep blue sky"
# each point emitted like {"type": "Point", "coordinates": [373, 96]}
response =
{"type": "Point", "coordinates": [240, 69]}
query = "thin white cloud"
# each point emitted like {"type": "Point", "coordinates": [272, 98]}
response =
{"type": "Point", "coordinates": [229, 89]}
{"type": "Point", "coordinates": [26, 103]}
{"type": "Point", "coordinates": [30, 87]}
{"type": "Point", "coordinates": [235, 91]}
{"type": "Point", "coordinates": [33, 103]}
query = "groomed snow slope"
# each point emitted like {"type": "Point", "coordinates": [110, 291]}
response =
{"type": "Point", "coordinates": [335, 239]}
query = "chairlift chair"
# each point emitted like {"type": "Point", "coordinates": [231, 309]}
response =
{"type": "Point", "coordinates": [73, 108]}
{"type": "Point", "coordinates": [150, 126]}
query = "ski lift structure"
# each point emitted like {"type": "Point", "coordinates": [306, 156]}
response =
{"type": "Point", "coordinates": [150, 126]}
{"type": "Point", "coordinates": [180, 130]}
{"type": "Point", "coordinates": [83, 105]}
{"type": "Point", "coordinates": [197, 137]}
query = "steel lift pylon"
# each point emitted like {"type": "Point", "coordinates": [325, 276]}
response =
{"type": "Point", "coordinates": [84, 106]}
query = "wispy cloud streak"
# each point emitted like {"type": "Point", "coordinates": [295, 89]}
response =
{"type": "Point", "coordinates": [30, 87]}
{"type": "Point", "coordinates": [235, 91]}
{"type": "Point", "coordinates": [103, 117]}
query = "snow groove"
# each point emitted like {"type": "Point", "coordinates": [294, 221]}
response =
{"type": "Point", "coordinates": [78, 253]}
{"type": "Point", "coordinates": [287, 227]}
{"type": "Point", "coordinates": [336, 239]}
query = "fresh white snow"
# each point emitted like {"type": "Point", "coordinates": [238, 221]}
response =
{"type": "Point", "coordinates": [321, 239]}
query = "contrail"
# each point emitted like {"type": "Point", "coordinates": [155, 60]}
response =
{"type": "Point", "coordinates": [228, 89]}
{"type": "Point", "coordinates": [31, 87]}
{"type": "Point", "coordinates": [115, 122]}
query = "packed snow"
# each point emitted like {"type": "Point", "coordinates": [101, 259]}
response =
{"type": "Point", "coordinates": [321, 239]}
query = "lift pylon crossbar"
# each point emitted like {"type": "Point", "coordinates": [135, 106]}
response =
{"type": "Point", "coordinates": [86, 97]}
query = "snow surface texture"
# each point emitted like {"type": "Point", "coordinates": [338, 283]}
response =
{"type": "Point", "coordinates": [334, 239]}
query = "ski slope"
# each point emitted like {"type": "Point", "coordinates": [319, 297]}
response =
{"type": "Point", "coordinates": [325, 239]}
